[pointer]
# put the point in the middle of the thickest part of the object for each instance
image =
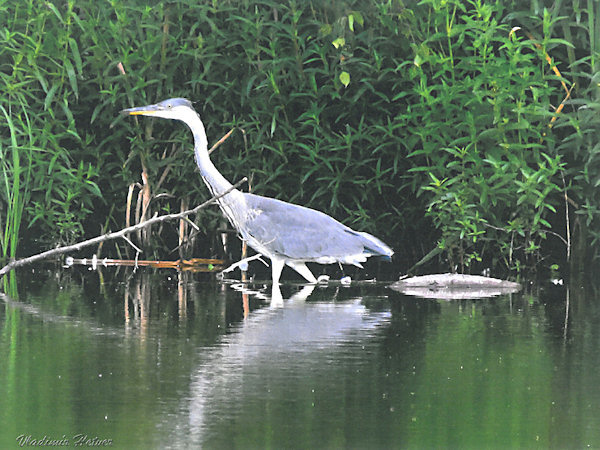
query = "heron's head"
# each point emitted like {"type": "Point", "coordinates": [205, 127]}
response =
{"type": "Point", "coordinates": [173, 108]}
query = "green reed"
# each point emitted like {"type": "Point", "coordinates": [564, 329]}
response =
{"type": "Point", "coordinates": [46, 185]}
{"type": "Point", "coordinates": [16, 179]}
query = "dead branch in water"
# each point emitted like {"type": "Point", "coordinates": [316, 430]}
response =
{"type": "Point", "coordinates": [114, 235]}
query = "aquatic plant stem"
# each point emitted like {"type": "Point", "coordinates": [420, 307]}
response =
{"type": "Point", "coordinates": [115, 235]}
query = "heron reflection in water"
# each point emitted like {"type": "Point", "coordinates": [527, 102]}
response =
{"type": "Point", "coordinates": [285, 233]}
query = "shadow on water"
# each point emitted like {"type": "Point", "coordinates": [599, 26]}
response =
{"type": "Point", "coordinates": [169, 360]}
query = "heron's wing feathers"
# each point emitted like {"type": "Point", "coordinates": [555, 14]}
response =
{"type": "Point", "coordinates": [302, 233]}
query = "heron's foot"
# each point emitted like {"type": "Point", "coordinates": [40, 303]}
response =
{"type": "Point", "coordinates": [346, 280]}
{"type": "Point", "coordinates": [323, 279]}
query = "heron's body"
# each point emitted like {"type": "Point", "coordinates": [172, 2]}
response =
{"type": "Point", "coordinates": [285, 233]}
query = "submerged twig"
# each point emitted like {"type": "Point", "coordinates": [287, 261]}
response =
{"type": "Point", "coordinates": [115, 235]}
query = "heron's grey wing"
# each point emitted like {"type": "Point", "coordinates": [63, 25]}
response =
{"type": "Point", "coordinates": [298, 232]}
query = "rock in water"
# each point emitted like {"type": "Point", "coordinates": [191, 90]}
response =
{"type": "Point", "coordinates": [449, 286]}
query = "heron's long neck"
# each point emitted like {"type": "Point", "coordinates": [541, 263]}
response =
{"type": "Point", "coordinates": [211, 176]}
{"type": "Point", "coordinates": [231, 203]}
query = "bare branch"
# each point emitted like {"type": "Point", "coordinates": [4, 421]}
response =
{"type": "Point", "coordinates": [115, 235]}
{"type": "Point", "coordinates": [220, 141]}
{"type": "Point", "coordinates": [137, 249]}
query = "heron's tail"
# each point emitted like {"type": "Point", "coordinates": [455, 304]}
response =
{"type": "Point", "coordinates": [375, 247]}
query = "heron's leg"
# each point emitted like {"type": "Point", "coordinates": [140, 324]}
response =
{"type": "Point", "coordinates": [276, 268]}
{"type": "Point", "coordinates": [301, 268]}
{"type": "Point", "coordinates": [276, 297]}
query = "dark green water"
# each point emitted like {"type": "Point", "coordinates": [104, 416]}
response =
{"type": "Point", "coordinates": [157, 360]}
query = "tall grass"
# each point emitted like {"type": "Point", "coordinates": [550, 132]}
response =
{"type": "Point", "coordinates": [47, 185]}
{"type": "Point", "coordinates": [580, 125]}
{"type": "Point", "coordinates": [16, 180]}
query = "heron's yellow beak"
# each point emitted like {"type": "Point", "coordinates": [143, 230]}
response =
{"type": "Point", "coordinates": [141, 111]}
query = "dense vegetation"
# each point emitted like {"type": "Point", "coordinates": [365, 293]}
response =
{"type": "Point", "coordinates": [469, 126]}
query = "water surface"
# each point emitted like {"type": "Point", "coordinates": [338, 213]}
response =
{"type": "Point", "coordinates": [165, 360]}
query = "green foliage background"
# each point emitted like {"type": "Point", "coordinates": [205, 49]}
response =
{"type": "Point", "coordinates": [425, 123]}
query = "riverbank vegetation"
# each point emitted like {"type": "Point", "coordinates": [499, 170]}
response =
{"type": "Point", "coordinates": [469, 127]}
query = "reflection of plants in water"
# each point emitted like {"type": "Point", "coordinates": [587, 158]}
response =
{"type": "Point", "coordinates": [456, 364]}
{"type": "Point", "coordinates": [9, 285]}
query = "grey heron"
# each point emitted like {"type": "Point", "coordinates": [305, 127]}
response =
{"type": "Point", "coordinates": [286, 233]}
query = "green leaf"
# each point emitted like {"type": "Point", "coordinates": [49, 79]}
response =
{"type": "Point", "coordinates": [358, 17]}
{"type": "Point", "coordinates": [52, 8]}
{"type": "Point", "coordinates": [76, 55]}
{"type": "Point", "coordinates": [339, 42]}
{"type": "Point", "coordinates": [345, 78]}
{"type": "Point", "coordinates": [50, 96]}
{"type": "Point", "coordinates": [72, 77]}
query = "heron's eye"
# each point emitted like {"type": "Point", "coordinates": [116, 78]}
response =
{"type": "Point", "coordinates": [169, 106]}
